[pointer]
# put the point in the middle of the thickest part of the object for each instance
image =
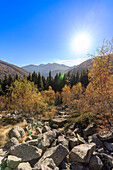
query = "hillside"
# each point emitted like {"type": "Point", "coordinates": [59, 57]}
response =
{"type": "Point", "coordinates": [6, 68]}
{"type": "Point", "coordinates": [82, 66]}
{"type": "Point", "coordinates": [45, 68]}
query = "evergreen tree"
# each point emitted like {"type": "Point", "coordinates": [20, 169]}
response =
{"type": "Point", "coordinates": [39, 82]}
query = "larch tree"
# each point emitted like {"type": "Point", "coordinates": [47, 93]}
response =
{"type": "Point", "coordinates": [99, 93]}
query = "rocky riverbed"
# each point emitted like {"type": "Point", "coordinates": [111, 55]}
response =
{"type": "Point", "coordinates": [47, 145]}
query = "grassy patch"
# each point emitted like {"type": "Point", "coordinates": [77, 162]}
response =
{"type": "Point", "coordinates": [81, 120]}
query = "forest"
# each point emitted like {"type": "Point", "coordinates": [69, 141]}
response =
{"type": "Point", "coordinates": [86, 95]}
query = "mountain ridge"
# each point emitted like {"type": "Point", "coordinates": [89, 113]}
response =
{"type": "Point", "coordinates": [7, 68]}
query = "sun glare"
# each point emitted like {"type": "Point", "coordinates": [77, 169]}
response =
{"type": "Point", "coordinates": [81, 43]}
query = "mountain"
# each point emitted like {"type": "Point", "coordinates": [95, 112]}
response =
{"type": "Point", "coordinates": [6, 68]}
{"type": "Point", "coordinates": [83, 66]}
{"type": "Point", "coordinates": [45, 68]}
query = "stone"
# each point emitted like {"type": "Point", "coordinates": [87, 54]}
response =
{"type": "Point", "coordinates": [57, 123]}
{"type": "Point", "coordinates": [11, 142]}
{"type": "Point", "coordinates": [28, 138]}
{"type": "Point", "coordinates": [63, 141]}
{"type": "Point", "coordinates": [39, 130]}
{"type": "Point", "coordinates": [81, 139]}
{"type": "Point", "coordinates": [89, 130]}
{"type": "Point", "coordinates": [77, 166]}
{"type": "Point", "coordinates": [25, 151]}
{"type": "Point", "coordinates": [95, 163]}
{"type": "Point", "coordinates": [64, 165]}
{"type": "Point", "coordinates": [46, 129]}
{"type": "Point", "coordinates": [1, 158]}
{"type": "Point", "coordinates": [107, 160]}
{"type": "Point", "coordinates": [3, 152]}
{"type": "Point", "coordinates": [57, 153]}
{"type": "Point", "coordinates": [7, 168]}
{"type": "Point", "coordinates": [13, 161]}
{"type": "Point", "coordinates": [82, 153]}
{"type": "Point", "coordinates": [94, 138]}
{"type": "Point", "coordinates": [44, 140]}
{"type": "Point", "coordinates": [106, 137]}
{"type": "Point", "coordinates": [73, 142]}
{"type": "Point", "coordinates": [54, 143]}
{"type": "Point", "coordinates": [16, 132]}
{"type": "Point", "coordinates": [48, 164]}
{"type": "Point", "coordinates": [109, 146]}
{"type": "Point", "coordinates": [24, 166]}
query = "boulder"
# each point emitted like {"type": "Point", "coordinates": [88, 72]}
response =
{"type": "Point", "coordinates": [46, 129]}
{"type": "Point", "coordinates": [7, 168]}
{"type": "Point", "coordinates": [78, 166]}
{"type": "Point", "coordinates": [3, 152]}
{"type": "Point", "coordinates": [73, 142]}
{"type": "Point", "coordinates": [11, 142]}
{"type": "Point", "coordinates": [48, 164]}
{"type": "Point", "coordinates": [64, 165]}
{"type": "Point", "coordinates": [25, 151]}
{"type": "Point", "coordinates": [57, 153]}
{"type": "Point", "coordinates": [16, 132]}
{"type": "Point", "coordinates": [82, 153]}
{"type": "Point", "coordinates": [109, 146]}
{"type": "Point", "coordinates": [107, 160]}
{"type": "Point", "coordinates": [81, 139]}
{"type": "Point", "coordinates": [13, 161]}
{"type": "Point", "coordinates": [63, 141]}
{"type": "Point", "coordinates": [24, 166]}
{"type": "Point", "coordinates": [106, 137]}
{"type": "Point", "coordinates": [89, 130]}
{"type": "Point", "coordinates": [57, 123]}
{"type": "Point", "coordinates": [94, 138]}
{"type": "Point", "coordinates": [44, 140]}
{"type": "Point", "coordinates": [95, 163]}
{"type": "Point", "coordinates": [39, 130]}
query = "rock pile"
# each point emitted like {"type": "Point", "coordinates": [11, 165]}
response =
{"type": "Point", "coordinates": [54, 149]}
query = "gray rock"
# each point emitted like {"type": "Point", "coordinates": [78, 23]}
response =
{"type": "Point", "coordinates": [82, 153]}
{"type": "Point", "coordinates": [39, 130]}
{"type": "Point", "coordinates": [11, 142]}
{"type": "Point", "coordinates": [89, 130]}
{"type": "Point", "coordinates": [57, 123]}
{"type": "Point", "coordinates": [48, 164]}
{"type": "Point", "coordinates": [95, 163]}
{"type": "Point", "coordinates": [106, 137]}
{"type": "Point", "coordinates": [44, 140]}
{"type": "Point", "coordinates": [24, 166]}
{"type": "Point", "coordinates": [28, 138]}
{"type": "Point", "coordinates": [13, 161]}
{"type": "Point", "coordinates": [54, 143]}
{"type": "Point", "coordinates": [3, 152]}
{"type": "Point", "coordinates": [63, 141]}
{"type": "Point", "coordinates": [81, 139]}
{"type": "Point", "coordinates": [7, 168]}
{"type": "Point", "coordinates": [64, 165]}
{"type": "Point", "coordinates": [107, 160]}
{"type": "Point", "coordinates": [77, 166]}
{"type": "Point", "coordinates": [25, 151]}
{"type": "Point", "coordinates": [109, 146]}
{"type": "Point", "coordinates": [94, 138]}
{"type": "Point", "coordinates": [46, 129]}
{"type": "Point", "coordinates": [73, 142]}
{"type": "Point", "coordinates": [16, 132]}
{"type": "Point", "coordinates": [57, 153]}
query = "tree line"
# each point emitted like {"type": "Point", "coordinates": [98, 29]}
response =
{"type": "Point", "coordinates": [42, 83]}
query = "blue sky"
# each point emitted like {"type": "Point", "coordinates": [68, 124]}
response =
{"type": "Point", "coordinates": [41, 31]}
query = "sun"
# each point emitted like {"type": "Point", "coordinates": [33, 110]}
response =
{"type": "Point", "coordinates": [81, 43]}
